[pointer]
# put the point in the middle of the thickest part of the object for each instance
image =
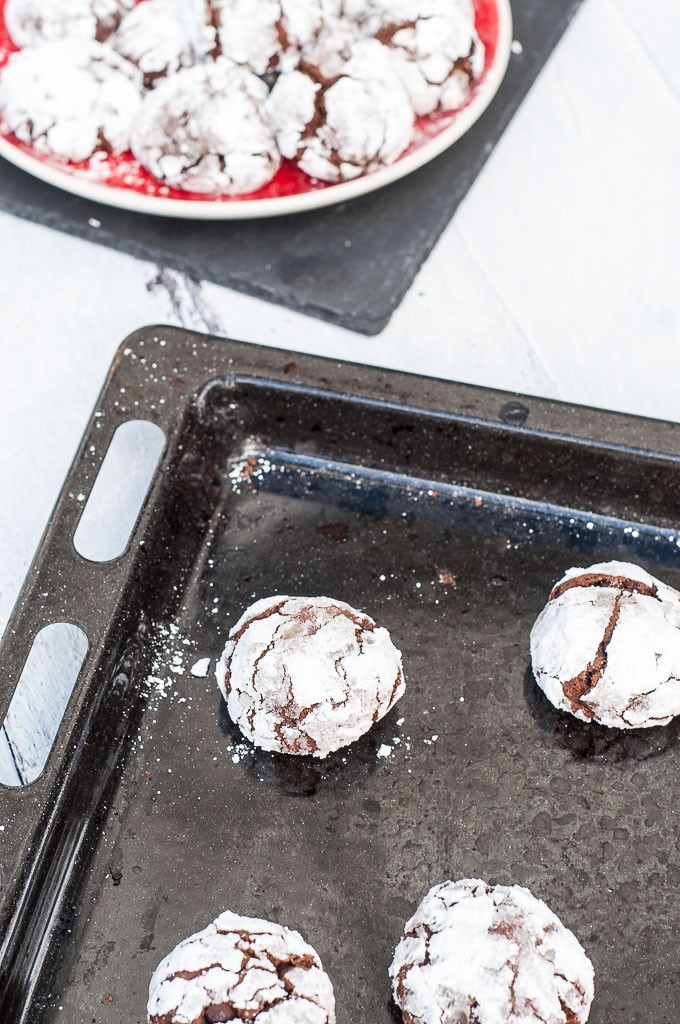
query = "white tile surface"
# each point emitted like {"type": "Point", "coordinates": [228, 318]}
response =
{"type": "Point", "coordinates": [581, 238]}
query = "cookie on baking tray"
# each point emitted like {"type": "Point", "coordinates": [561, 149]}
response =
{"type": "Point", "coordinates": [606, 647]}
{"type": "Point", "coordinates": [241, 969]}
{"type": "Point", "coordinates": [480, 954]}
{"type": "Point", "coordinates": [308, 675]}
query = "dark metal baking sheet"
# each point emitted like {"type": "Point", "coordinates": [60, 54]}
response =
{"type": "Point", "coordinates": [153, 816]}
{"type": "Point", "coordinates": [351, 264]}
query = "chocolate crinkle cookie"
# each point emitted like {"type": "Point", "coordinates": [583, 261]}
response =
{"type": "Point", "coordinates": [308, 675]}
{"type": "Point", "coordinates": [203, 130]}
{"type": "Point", "coordinates": [241, 969]}
{"type": "Point", "coordinates": [342, 127]}
{"type": "Point", "coordinates": [437, 51]}
{"type": "Point", "coordinates": [31, 22]}
{"type": "Point", "coordinates": [70, 98]}
{"type": "Point", "coordinates": [479, 954]}
{"type": "Point", "coordinates": [159, 38]}
{"type": "Point", "coordinates": [268, 35]}
{"type": "Point", "coordinates": [606, 647]}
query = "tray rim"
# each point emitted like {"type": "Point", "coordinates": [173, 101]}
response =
{"type": "Point", "coordinates": [252, 209]}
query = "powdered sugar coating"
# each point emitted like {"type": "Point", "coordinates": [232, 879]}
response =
{"type": "Point", "coordinates": [437, 51]}
{"type": "Point", "coordinates": [607, 646]}
{"type": "Point", "coordinates": [308, 675]}
{"type": "Point", "coordinates": [155, 37]}
{"type": "Point", "coordinates": [330, 51]}
{"type": "Point", "coordinates": [31, 22]}
{"type": "Point", "coordinates": [339, 128]}
{"type": "Point", "coordinates": [242, 968]}
{"type": "Point", "coordinates": [268, 35]}
{"type": "Point", "coordinates": [70, 98]}
{"type": "Point", "coordinates": [479, 954]}
{"type": "Point", "coordinates": [203, 130]}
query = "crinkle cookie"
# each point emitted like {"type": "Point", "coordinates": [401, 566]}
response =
{"type": "Point", "coordinates": [438, 53]}
{"type": "Point", "coordinates": [479, 954]}
{"type": "Point", "coordinates": [339, 128]}
{"type": "Point", "coordinates": [241, 969]}
{"type": "Point", "coordinates": [330, 51]}
{"type": "Point", "coordinates": [308, 675]}
{"type": "Point", "coordinates": [31, 22]}
{"type": "Point", "coordinates": [156, 37]}
{"type": "Point", "coordinates": [70, 98]}
{"type": "Point", "coordinates": [268, 35]}
{"type": "Point", "coordinates": [606, 647]}
{"type": "Point", "coordinates": [203, 130]}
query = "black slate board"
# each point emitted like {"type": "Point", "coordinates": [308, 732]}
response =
{"type": "Point", "coordinates": [304, 261]}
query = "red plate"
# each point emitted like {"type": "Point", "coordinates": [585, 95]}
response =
{"type": "Point", "coordinates": [121, 181]}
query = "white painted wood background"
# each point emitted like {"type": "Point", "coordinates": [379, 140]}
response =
{"type": "Point", "coordinates": [559, 275]}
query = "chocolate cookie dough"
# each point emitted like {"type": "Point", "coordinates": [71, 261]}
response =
{"type": "Point", "coordinates": [341, 127]}
{"type": "Point", "coordinates": [479, 954]}
{"type": "Point", "coordinates": [31, 22]}
{"type": "Point", "coordinates": [70, 98]}
{"type": "Point", "coordinates": [308, 675]}
{"type": "Point", "coordinates": [437, 51]}
{"type": "Point", "coordinates": [606, 647]}
{"type": "Point", "coordinates": [203, 130]}
{"type": "Point", "coordinates": [241, 969]}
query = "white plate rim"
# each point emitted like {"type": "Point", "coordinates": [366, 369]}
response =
{"type": "Point", "coordinates": [250, 209]}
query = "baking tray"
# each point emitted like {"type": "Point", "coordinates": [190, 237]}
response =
{"type": "Point", "coordinates": [444, 510]}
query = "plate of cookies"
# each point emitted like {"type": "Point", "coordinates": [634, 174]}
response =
{"type": "Point", "coordinates": [231, 109]}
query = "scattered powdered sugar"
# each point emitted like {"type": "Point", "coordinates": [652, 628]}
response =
{"type": "Point", "coordinates": [520, 962]}
{"type": "Point", "coordinates": [249, 471]}
{"type": "Point", "coordinates": [384, 751]}
{"type": "Point", "coordinates": [200, 668]}
{"type": "Point", "coordinates": [70, 98]}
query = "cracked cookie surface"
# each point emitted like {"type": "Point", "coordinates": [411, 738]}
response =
{"type": "Point", "coordinates": [606, 647]}
{"type": "Point", "coordinates": [479, 954]}
{"type": "Point", "coordinates": [158, 37]}
{"type": "Point", "coordinates": [203, 130]}
{"type": "Point", "coordinates": [437, 51]}
{"type": "Point", "coordinates": [267, 36]}
{"type": "Point", "coordinates": [31, 22]}
{"type": "Point", "coordinates": [347, 125]}
{"type": "Point", "coordinates": [70, 98]}
{"type": "Point", "coordinates": [306, 675]}
{"type": "Point", "coordinates": [241, 969]}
